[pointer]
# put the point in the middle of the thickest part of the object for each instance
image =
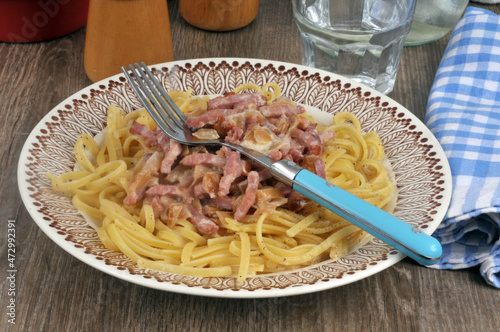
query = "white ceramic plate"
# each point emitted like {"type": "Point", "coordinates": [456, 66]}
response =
{"type": "Point", "coordinates": [421, 168]}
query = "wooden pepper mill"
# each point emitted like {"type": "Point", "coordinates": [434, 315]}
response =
{"type": "Point", "coordinates": [219, 15]}
{"type": "Point", "coordinates": [120, 32]}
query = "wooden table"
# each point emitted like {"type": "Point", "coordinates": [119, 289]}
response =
{"type": "Point", "coordinates": [57, 292]}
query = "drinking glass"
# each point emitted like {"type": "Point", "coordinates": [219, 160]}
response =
{"type": "Point", "coordinates": [359, 39]}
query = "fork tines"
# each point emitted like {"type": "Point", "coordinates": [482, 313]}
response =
{"type": "Point", "coordinates": [155, 99]}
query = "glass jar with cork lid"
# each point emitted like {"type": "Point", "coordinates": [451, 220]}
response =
{"type": "Point", "coordinates": [219, 15]}
{"type": "Point", "coordinates": [433, 19]}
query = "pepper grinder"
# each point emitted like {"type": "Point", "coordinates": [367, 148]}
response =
{"type": "Point", "coordinates": [120, 32]}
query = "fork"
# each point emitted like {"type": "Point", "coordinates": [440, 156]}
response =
{"type": "Point", "coordinates": [407, 239]}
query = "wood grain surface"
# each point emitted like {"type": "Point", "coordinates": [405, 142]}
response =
{"type": "Point", "coordinates": [56, 292]}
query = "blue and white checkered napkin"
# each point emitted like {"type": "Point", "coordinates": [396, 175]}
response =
{"type": "Point", "coordinates": [463, 112]}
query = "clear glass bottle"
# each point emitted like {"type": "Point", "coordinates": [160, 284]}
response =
{"type": "Point", "coordinates": [120, 32]}
{"type": "Point", "coordinates": [433, 19]}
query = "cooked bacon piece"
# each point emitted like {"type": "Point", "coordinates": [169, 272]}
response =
{"type": "Point", "coordinates": [234, 135]}
{"type": "Point", "coordinates": [296, 151]}
{"type": "Point", "coordinates": [249, 196]}
{"type": "Point", "coordinates": [257, 100]}
{"type": "Point", "coordinates": [319, 168]}
{"type": "Point", "coordinates": [276, 155]}
{"type": "Point", "coordinates": [211, 117]}
{"type": "Point", "coordinates": [232, 125]}
{"type": "Point", "coordinates": [278, 110]}
{"type": "Point", "coordinates": [183, 175]}
{"type": "Point", "coordinates": [171, 156]}
{"type": "Point", "coordinates": [231, 172]}
{"type": "Point", "coordinates": [269, 126]}
{"type": "Point", "coordinates": [162, 139]}
{"type": "Point", "coordinates": [313, 143]}
{"type": "Point", "coordinates": [237, 101]}
{"type": "Point", "coordinates": [165, 190]}
{"type": "Point", "coordinates": [202, 223]}
{"type": "Point", "coordinates": [140, 181]}
{"type": "Point", "coordinates": [241, 183]}
{"type": "Point", "coordinates": [295, 200]}
{"type": "Point", "coordinates": [203, 159]}
{"type": "Point", "coordinates": [155, 204]}
{"type": "Point", "coordinates": [304, 124]}
{"type": "Point", "coordinates": [143, 131]}
{"type": "Point", "coordinates": [198, 190]}
{"type": "Point", "coordinates": [326, 135]}
{"type": "Point", "coordinates": [254, 117]}
{"type": "Point", "coordinates": [210, 211]}
{"type": "Point", "coordinates": [171, 149]}
{"type": "Point", "coordinates": [223, 202]}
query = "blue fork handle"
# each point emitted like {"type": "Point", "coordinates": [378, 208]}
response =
{"type": "Point", "coordinates": [407, 239]}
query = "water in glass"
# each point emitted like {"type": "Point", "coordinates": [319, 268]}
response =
{"type": "Point", "coordinates": [361, 40]}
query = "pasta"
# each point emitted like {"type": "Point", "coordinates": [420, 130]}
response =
{"type": "Point", "coordinates": [267, 239]}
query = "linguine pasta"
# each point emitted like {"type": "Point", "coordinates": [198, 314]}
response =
{"type": "Point", "coordinates": [265, 241]}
